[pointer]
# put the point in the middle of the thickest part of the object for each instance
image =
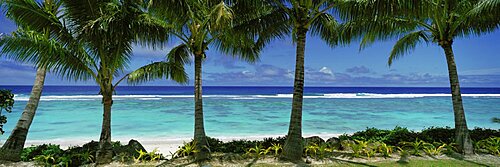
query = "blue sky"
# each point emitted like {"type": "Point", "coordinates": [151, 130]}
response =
{"type": "Point", "coordinates": [478, 61]}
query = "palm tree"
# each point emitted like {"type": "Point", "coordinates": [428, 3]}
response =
{"type": "Point", "coordinates": [43, 13]}
{"type": "Point", "coordinates": [95, 46]}
{"type": "Point", "coordinates": [427, 21]}
{"type": "Point", "coordinates": [200, 25]}
{"type": "Point", "coordinates": [299, 17]}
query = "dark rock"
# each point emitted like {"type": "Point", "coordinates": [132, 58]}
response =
{"type": "Point", "coordinates": [136, 145]}
{"type": "Point", "coordinates": [335, 142]}
{"type": "Point", "coordinates": [314, 139]}
{"type": "Point", "coordinates": [130, 149]}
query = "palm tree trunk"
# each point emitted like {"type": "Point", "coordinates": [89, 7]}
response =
{"type": "Point", "coordinates": [14, 145]}
{"type": "Point", "coordinates": [293, 148]}
{"type": "Point", "coordinates": [199, 128]}
{"type": "Point", "coordinates": [462, 137]}
{"type": "Point", "coordinates": [105, 152]}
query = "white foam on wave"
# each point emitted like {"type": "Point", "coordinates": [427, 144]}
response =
{"type": "Point", "coordinates": [324, 96]}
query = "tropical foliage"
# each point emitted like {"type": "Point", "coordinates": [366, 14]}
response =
{"type": "Point", "coordinates": [6, 103]}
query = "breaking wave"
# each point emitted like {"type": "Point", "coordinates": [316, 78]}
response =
{"type": "Point", "coordinates": [22, 97]}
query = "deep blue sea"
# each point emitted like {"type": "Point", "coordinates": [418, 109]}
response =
{"type": "Point", "coordinates": [167, 112]}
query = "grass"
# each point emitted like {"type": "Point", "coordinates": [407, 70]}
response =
{"type": "Point", "coordinates": [450, 163]}
{"type": "Point", "coordinates": [472, 161]}
{"type": "Point", "coordinates": [413, 163]}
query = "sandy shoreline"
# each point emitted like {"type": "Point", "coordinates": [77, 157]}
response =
{"type": "Point", "coordinates": [166, 146]}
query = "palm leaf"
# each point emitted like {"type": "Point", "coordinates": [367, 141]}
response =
{"type": "Point", "coordinates": [326, 27]}
{"type": "Point", "coordinates": [158, 70]}
{"type": "Point", "coordinates": [486, 6]}
{"type": "Point", "coordinates": [41, 17]}
{"type": "Point", "coordinates": [180, 55]}
{"type": "Point", "coordinates": [408, 43]}
{"type": "Point", "coordinates": [32, 47]}
{"type": "Point", "coordinates": [221, 16]}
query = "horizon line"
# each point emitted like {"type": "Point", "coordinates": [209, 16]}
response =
{"type": "Point", "coordinates": [317, 86]}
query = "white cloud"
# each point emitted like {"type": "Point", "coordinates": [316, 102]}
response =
{"type": "Point", "coordinates": [326, 70]}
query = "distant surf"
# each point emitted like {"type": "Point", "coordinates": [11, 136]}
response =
{"type": "Point", "coordinates": [248, 97]}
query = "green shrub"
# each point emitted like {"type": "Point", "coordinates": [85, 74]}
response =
{"type": "Point", "coordinates": [434, 149]}
{"type": "Point", "coordinates": [6, 103]}
{"type": "Point", "coordinates": [52, 155]}
{"type": "Point", "coordinates": [214, 143]}
{"type": "Point", "coordinates": [391, 137]}
{"type": "Point", "coordinates": [344, 137]}
{"type": "Point", "coordinates": [30, 153]}
{"type": "Point", "coordinates": [490, 145]}
{"type": "Point", "coordinates": [148, 157]}
{"type": "Point", "coordinates": [371, 134]}
{"type": "Point", "coordinates": [276, 148]}
{"type": "Point", "coordinates": [414, 147]}
{"type": "Point", "coordinates": [400, 134]}
{"type": "Point", "coordinates": [358, 147]}
{"type": "Point", "coordinates": [188, 149]}
{"type": "Point", "coordinates": [237, 146]}
{"type": "Point", "coordinates": [478, 134]}
{"type": "Point", "coordinates": [385, 150]}
{"type": "Point", "coordinates": [27, 153]}
{"type": "Point", "coordinates": [268, 142]}
{"type": "Point", "coordinates": [257, 151]}
{"type": "Point", "coordinates": [437, 134]}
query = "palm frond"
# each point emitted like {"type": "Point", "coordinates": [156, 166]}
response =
{"type": "Point", "coordinates": [238, 45]}
{"type": "Point", "coordinates": [41, 17]}
{"type": "Point", "coordinates": [486, 6]}
{"type": "Point", "coordinates": [81, 12]}
{"type": "Point", "coordinates": [151, 31]}
{"type": "Point", "coordinates": [355, 9]}
{"type": "Point", "coordinates": [326, 27]}
{"type": "Point", "coordinates": [173, 10]}
{"type": "Point", "coordinates": [408, 43]}
{"type": "Point", "coordinates": [180, 55]}
{"type": "Point", "coordinates": [266, 25]}
{"type": "Point", "coordinates": [221, 16]}
{"type": "Point", "coordinates": [476, 18]}
{"type": "Point", "coordinates": [36, 48]}
{"type": "Point", "coordinates": [158, 70]}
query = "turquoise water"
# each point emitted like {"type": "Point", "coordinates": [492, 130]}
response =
{"type": "Point", "coordinates": [171, 116]}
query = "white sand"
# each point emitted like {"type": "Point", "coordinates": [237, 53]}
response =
{"type": "Point", "coordinates": [166, 146]}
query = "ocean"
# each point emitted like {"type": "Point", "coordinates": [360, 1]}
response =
{"type": "Point", "coordinates": [75, 112]}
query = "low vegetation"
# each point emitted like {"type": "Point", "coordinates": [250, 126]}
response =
{"type": "Point", "coordinates": [53, 155]}
{"type": "Point", "coordinates": [368, 144]}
